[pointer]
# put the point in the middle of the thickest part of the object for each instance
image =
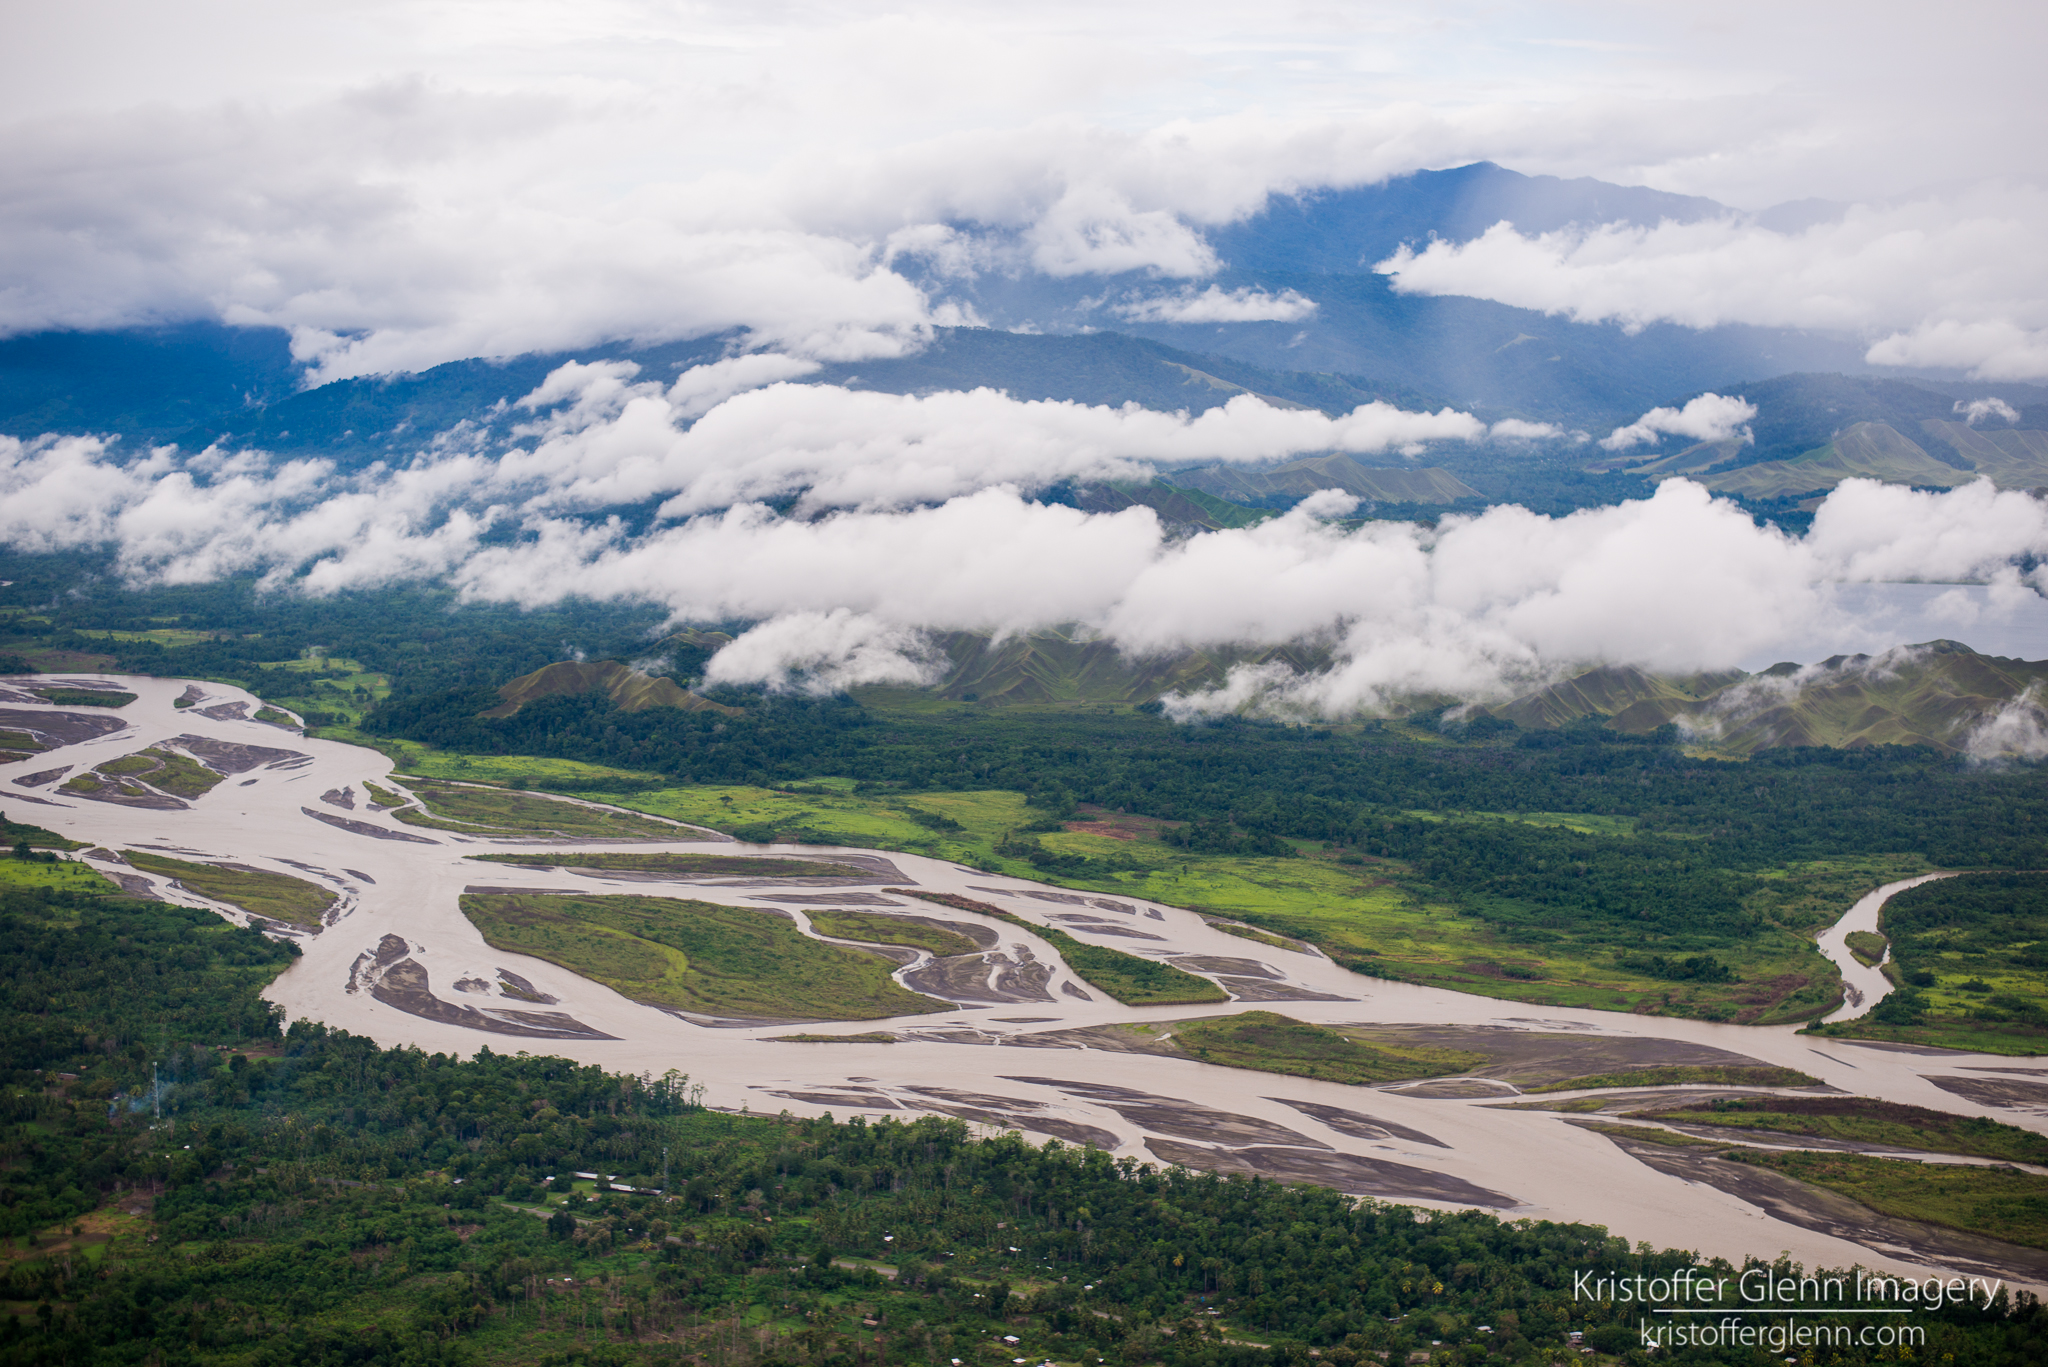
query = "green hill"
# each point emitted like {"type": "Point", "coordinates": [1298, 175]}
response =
{"type": "Point", "coordinates": [626, 686]}
{"type": "Point", "coordinates": [1933, 694]}
{"type": "Point", "coordinates": [1622, 692]}
{"type": "Point", "coordinates": [1057, 666]}
{"type": "Point", "coordinates": [1876, 450]}
{"type": "Point", "coordinates": [1299, 478]}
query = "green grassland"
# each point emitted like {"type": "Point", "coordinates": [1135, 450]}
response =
{"type": "Point", "coordinates": [1371, 915]}
{"type": "Point", "coordinates": [168, 637]}
{"type": "Point", "coordinates": [1271, 1043]}
{"type": "Point", "coordinates": [696, 956]}
{"type": "Point", "coordinates": [83, 697]}
{"type": "Point", "coordinates": [274, 896]}
{"type": "Point", "coordinates": [14, 834]}
{"type": "Point", "coordinates": [1867, 945]}
{"type": "Point", "coordinates": [1869, 1121]}
{"type": "Point", "coordinates": [496, 811]}
{"type": "Point", "coordinates": [679, 865]}
{"type": "Point", "coordinates": [179, 775]}
{"type": "Point", "coordinates": [331, 693]}
{"type": "Point", "coordinates": [1999, 1203]}
{"type": "Point", "coordinates": [1679, 1076]}
{"type": "Point", "coordinates": [1128, 978]}
{"type": "Point", "coordinates": [57, 875]}
{"type": "Point", "coordinates": [1970, 955]}
{"type": "Point", "coordinates": [876, 929]}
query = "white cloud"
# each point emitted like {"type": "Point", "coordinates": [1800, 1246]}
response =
{"type": "Point", "coordinates": [605, 441]}
{"type": "Point", "coordinates": [1474, 608]}
{"type": "Point", "coordinates": [824, 652]}
{"type": "Point", "coordinates": [1710, 417]}
{"type": "Point", "coordinates": [2018, 730]}
{"type": "Point", "coordinates": [1977, 410]}
{"type": "Point", "coordinates": [1520, 429]}
{"type": "Point", "coordinates": [1959, 280]}
{"type": "Point", "coordinates": [403, 185]}
{"type": "Point", "coordinates": [1214, 305]}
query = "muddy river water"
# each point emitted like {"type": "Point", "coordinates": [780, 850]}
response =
{"type": "Point", "coordinates": [1027, 1047]}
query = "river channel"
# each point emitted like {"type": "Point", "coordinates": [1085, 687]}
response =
{"type": "Point", "coordinates": [1030, 1046]}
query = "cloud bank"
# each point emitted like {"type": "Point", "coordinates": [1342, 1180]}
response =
{"type": "Point", "coordinates": [401, 185]}
{"type": "Point", "coordinates": [903, 516]}
{"type": "Point", "coordinates": [1956, 281]}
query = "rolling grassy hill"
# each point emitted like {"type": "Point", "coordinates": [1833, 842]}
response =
{"type": "Point", "coordinates": [1933, 694]}
{"type": "Point", "coordinates": [624, 685]}
{"type": "Point", "coordinates": [1299, 478]}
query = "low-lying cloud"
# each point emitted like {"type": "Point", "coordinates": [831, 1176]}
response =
{"type": "Point", "coordinates": [1974, 411]}
{"type": "Point", "coordinates": [1710, 417]}
{"type": "Point", "coordinates": [1957, 282]}
{"type": "Point", "coordinates": [846, 590]}
{"type": "Point", "coordinates": [1215, 305]}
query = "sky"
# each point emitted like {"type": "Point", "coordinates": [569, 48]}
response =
{"type": "Point", "coordinates": [402, 184]}
{"type": "Point", "coordinates": [407, 183]}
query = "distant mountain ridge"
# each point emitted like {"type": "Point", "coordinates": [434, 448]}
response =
{"type": "Point", "coordinates": [1940, 694]}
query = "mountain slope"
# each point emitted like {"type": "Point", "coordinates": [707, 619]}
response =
{"type": "Point", "coordinates": [631, 690]}
{"type": "Point", "coordinates": [1299, 478]}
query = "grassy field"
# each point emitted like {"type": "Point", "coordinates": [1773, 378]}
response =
{"type": "Point", "coordinates": [1683, 1075]}
{"type": "Point", "coordinates": [274, 896]}
{"type": "Point", "coordinates": [329, 692]}
{"type": "Point", "coordinates": [503, 811]}
{"type": "Point", "coordinates": [1370, 915]}
{"type": "Point", "coordinates": [1869, 1121]}
{"type": "Point", "coordinates": [64, 875]}
{"type": "Point", "coordinates": [877, 929]}
{"type": "Point", "coordinates": [680, 865]}
{"type": "Point", "coordinates": [1999, 1203]}
{"type": "Point", "coordinates": [173, 773]}
{"type": "Point", "coordinates": [696, 956]}
{"type": "Point", "coordinates": [1867, 945]}
{"type": "Point", "coordinates": [1271, 1043]}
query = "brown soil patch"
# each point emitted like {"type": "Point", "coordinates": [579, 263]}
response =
{"type": "Point", "coordinates": [1532, 1057]}
{"type": "Point", "coordinates": [1169, 1115]}
{"type": "Point", "coordinates": [2008, 1093]}
{"type": "Point", "coordinates": [1347, 1172]}
{"type": "Point", "coordinates": [1816, 1208]}
{"type": "Point", "coordinates": [1358, 1125]}
{"type": "Point", "coordinates": [1116, 825]}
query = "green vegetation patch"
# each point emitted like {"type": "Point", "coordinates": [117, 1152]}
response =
{"type": "Point", "coordinates": [1972, 957]}
{"type": "Point", "coordinates": [1683, 1075]}
{"type": "Point", "coordinates": [864, 1037]}
{"type": "Point", "coordinates": [683, 865]}
{"type": "Point", "coordinates": [504, 811]}
{"type": "Point", "coordinates": [1867, 946]}
{"type": "Point", "coordinates": [15, 834]}
{"type": "Point", "coordinates": [879, 929]}
{"type": "Point", "coordinates": [1126, 977]}
{"type": "Point", "coordinates": [274, 896]}
{"type": "Point", "coordinates": [1645, 1134]}
{"type": "Point", "coordinates": [383, 797]}
{"type": "Point", "coordinates": [83, 697]}
{"type": "Point", "coordinates": [2000, 1203]}
{"type": "Point", "coordinates": [1869, 1121]}
{"type": "Point", "coordinates": [696, 956]}
{"type": "Point", "coordinates": [179, 775]}
{"type": "Point", "coordinates": [1253, 933]}
{"type": "Point", "coordinates": [18, 744]}
{"type": "Point", "coordinates": [1272, 1043]}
